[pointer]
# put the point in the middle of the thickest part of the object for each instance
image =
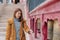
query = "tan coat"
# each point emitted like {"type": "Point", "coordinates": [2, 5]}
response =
{"type": "Point", "coordinates": [11, 32]}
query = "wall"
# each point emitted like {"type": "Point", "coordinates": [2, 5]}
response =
{"type": "Point", "coordinates": [51, 12]}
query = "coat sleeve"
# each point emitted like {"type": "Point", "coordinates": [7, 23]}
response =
{"type": "Point", "coordinates": [8, 31]}
{"type": "Point", "coordinates": [26, 28]}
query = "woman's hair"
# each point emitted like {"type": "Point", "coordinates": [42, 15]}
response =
{"type": "Point", "coordinates": [21, 17]}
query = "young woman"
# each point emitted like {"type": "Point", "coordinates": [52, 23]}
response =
{"type": "Point", "coordinates": [16, 27]}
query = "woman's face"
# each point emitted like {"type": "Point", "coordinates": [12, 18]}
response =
{"type": "Point", "coordinates": [18, 14]}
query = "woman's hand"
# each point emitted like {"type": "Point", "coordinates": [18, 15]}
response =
{"type": "Point", "coordinates": [29, 32]}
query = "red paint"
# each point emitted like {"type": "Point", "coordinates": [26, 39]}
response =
{"type": "Point", "coordinates": [51, 10]}
{"type": "Point", "coordinates": [32, 24]}
{"type": "Point", "coordinates": [44, 31]}
{"type": "Point", "coordinates": [35, 27]}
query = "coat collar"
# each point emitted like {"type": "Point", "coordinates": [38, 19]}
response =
{"type": "Point", "coordinates": [11, 21]}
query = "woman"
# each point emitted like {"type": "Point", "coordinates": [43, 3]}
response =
{"type": "Point", "coordinates": [16, 27]}
{"type": "Point", "coordinates": [44, 29]}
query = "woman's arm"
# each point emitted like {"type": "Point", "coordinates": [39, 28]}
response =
{"type": "Point", "coordinates": [26, 28]}
{"type": "Point", "coordinates": [8, 31]}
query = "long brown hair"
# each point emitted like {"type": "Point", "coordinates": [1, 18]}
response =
{"type": "Point", "coordinates": [21, 17]}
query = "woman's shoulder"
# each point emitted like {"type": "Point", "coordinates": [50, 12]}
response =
{"type": "Point", "coordinates": [10, 20]}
